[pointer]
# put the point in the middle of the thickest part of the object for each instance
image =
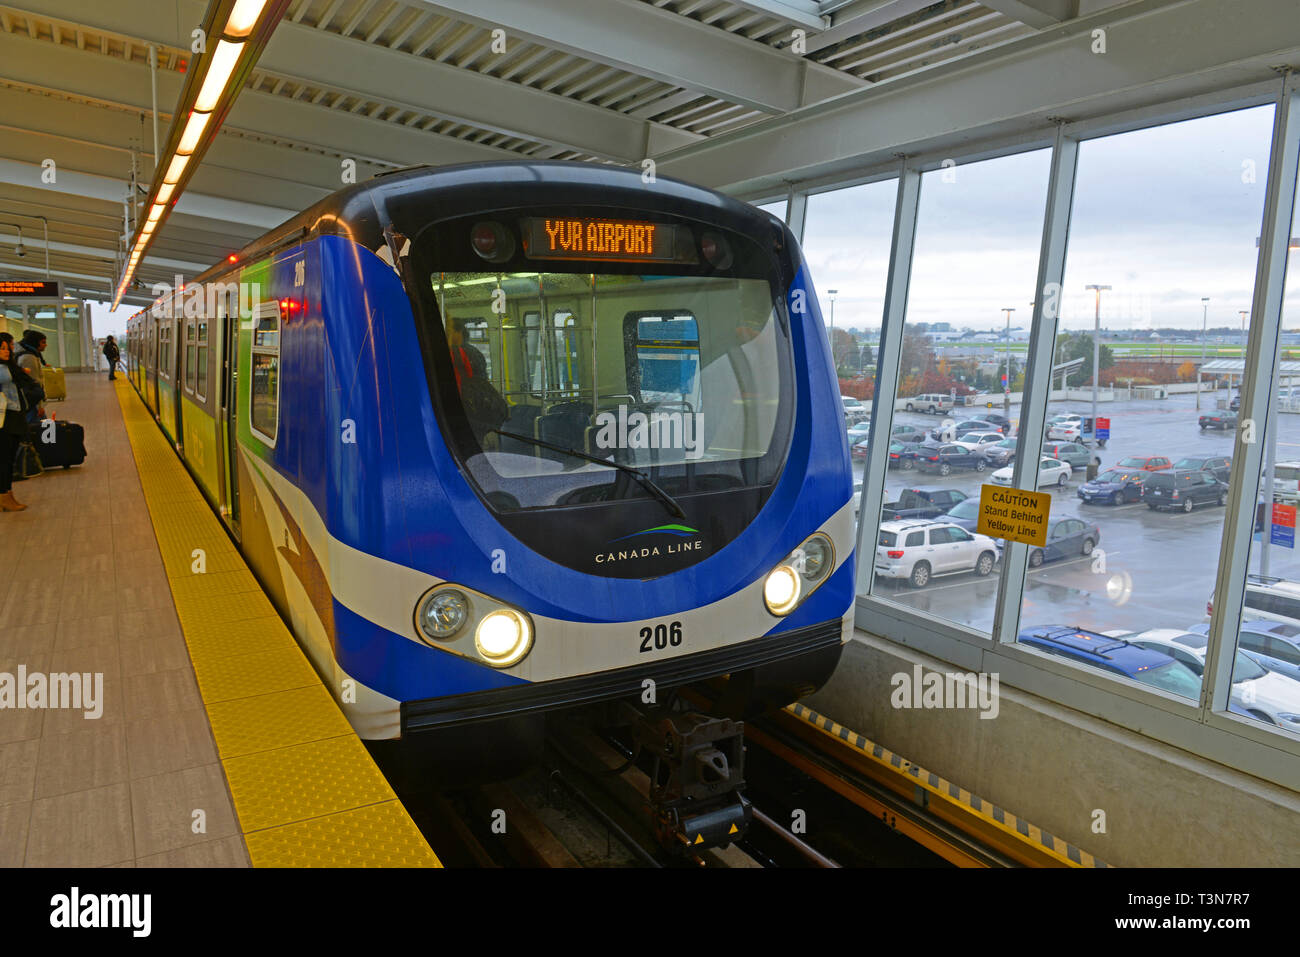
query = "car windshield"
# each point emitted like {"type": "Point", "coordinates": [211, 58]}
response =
{"type": "Point", "coordinates": [1189, 463]}
{"type": "Point", "coordinates": [1160, 480]}
{"type": "Point", "coordinates": [966, 509]}
{"type": "Point", "coordinates": [1246, 669]}
{"type": "Point", "coordinates": [1111, 476]}
{"type": "Point", "coordinates": [1007, 444]}
{"type": "Point", "coordinates": [888, 539]}
{"type": "Point", "coordinates": [973, 437]}
{"type": "Point", "coordinates": [1173, 676]}
{"type": "Point", "coordinates": [1132, 462]}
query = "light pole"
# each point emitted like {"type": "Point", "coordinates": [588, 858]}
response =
{"type": "Point", "coordinates": [1205, 313]}
{"type": "Point", "coordinates": [1096, 351]}
{"type": "Point", "coordinates": [1006, 389]}
{"type": "Point", "coordinates": [832, 293]}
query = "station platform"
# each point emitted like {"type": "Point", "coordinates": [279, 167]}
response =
{"type": "Point", "coordinates": [205, 738]}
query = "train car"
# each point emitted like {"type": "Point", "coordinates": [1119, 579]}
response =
{"type": "Point", "coordinates": [499, 439]}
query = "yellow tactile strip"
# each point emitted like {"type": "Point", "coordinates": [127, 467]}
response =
{"type": "Point", "coordinates": [305, 789]}
{"type": "Point", "coordinates": [1016, 828]}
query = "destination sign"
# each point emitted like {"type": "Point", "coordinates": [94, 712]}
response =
{"type": "Point", "coordinates": [29, 289]}
{"type": "Point", "coordinates": [602, 239]}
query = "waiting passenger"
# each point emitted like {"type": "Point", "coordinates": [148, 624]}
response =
{"type": "Point", "coordinates": [112, 354]}
{"type": "Point", "coordinates": [13, 422]}
{"type": "Point", "coordinates": [30, 360]}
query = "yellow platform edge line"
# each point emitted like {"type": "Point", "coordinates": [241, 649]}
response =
{"type": "Point", "coordinates": [1066, 853]}
{"type": "Point", "coordinates": [369, 834]}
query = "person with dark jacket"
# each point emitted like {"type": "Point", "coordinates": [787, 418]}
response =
{"type": "Point", "coordinates": [13, 421]}
{"type": "Point", "coordinates": [28, 356]}
{"type": "Point", "coordinates": [112, 354]}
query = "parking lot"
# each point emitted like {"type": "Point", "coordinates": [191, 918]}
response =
{"type": "Point", "coordinates": [1153, 569]}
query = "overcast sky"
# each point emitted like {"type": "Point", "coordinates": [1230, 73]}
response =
{"type": "Point", "coordinates": [1164, 216]}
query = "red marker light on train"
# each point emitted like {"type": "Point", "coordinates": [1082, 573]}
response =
{"type": "Point", "coordinates": [233, 258]}
{"type": "Point", "coordinates": [716, 250]}
{"type": "Point", "coordinates": [492, 241]}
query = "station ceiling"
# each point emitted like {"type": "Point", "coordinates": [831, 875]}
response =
{"type": "Point", "coordinates": [392, 83]}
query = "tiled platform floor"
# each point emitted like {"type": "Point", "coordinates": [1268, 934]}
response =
{"type": "Point", "coordinates": [82, 589]}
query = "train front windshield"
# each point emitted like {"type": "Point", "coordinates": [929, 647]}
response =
{"type": "Point", "coordinates": [680, 371]}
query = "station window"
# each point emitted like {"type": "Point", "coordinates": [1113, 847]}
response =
{"type": "Point", "coordinates": [664, 357]}
{"type": "Point", "coordinates": [1152, 283]}
{"type": "Point", "coordinates": [960, 379]}
{"type": "Point", "coordinates": [264, 409]}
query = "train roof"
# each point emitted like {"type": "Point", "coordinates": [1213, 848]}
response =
{"type": "Point", "coordinates": [355, 211]}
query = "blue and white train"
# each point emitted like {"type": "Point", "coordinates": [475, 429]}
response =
{"type": "Point", "coordinates": [505, 438]}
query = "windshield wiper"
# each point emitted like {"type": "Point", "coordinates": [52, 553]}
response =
{"type": "Point", "coordinates": [668, 501]}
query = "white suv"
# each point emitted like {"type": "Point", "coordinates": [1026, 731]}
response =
{"type": "Point", "coordinates": [932, 402]}
{"type": "Point", "coordinates": [919, 550]}
{"type": "Point", "coordinates": [1286, 482]}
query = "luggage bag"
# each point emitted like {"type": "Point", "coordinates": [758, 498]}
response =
{"type": "Point", "coordinates": [60, 443]}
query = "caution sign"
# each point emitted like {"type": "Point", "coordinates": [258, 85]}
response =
{"type": "Point", "coordinates": [1014, 514]}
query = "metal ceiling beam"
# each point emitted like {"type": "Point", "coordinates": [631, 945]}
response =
{"type": "Point", "coordinates": [1039, 14]}
{"type": "Point", "coordinates": [658, 43]}
{"type": "Point", "coordinates": [864, 17]}
{"type": "Point", "coordinates": [388, 76]}
{"type": "Point", "coordinates": [799, 13]}
{"type": "Point", "coordinates": [1012, 88]}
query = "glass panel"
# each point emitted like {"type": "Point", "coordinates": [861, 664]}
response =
{"type": "Point", "coordinates": [71, 350]}
{"type": "Point", "coordinates": [202, 387]}
{"type": "Point", "coordinates": [266, 394]}
{"type": "Point", "coordinates": [979, 229]}
{"type": "Point", "coordinates": [1269, 631]}
{"type": "Point", "coordinates": [1165, 224]}
{"type": "Point", "coordinates": [191, 368]}
{"type": "Point", "coordinates": [777, 209]}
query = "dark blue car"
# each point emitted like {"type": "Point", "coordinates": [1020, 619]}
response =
{"type": "Point", "coordinates": [1114, 486]}
{"type": "Point", "coordinates": [1116, 656]}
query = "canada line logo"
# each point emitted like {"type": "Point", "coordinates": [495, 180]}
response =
{"type": "Point", "coordinates": [688, 541]}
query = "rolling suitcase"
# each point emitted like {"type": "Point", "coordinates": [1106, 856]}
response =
{"type": "Point", "coordinates": [56, 386]}
{"type": "Point", "coordinates": [60, 443]}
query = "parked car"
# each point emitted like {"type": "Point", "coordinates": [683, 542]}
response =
{"type": "Point", "coordinates": [860, 448]}
{"type": "Point", "coordinates": [1066, 538]}
{"type": "Point", "coordinates": [1256, 691]}
{"type": "Point", "coordinates": [979, 442]}
{"type": "Point", "coordinates": [921, 503]}
{"type": "Point", "coordinates": [1273, 644]}
{"type": "Point", "coordinates": [965, 513]}
{"type": "Point", "coordinates": [1218, 420]}
{"type": "Point", "coordinates": [1235, 404]}
{"type": "Point", "coordinates": [961, 428]}
{"type": "Point", "coordinates": [1183, 490]}
{"type": "Point", "coordinates": [902, 455]}
{"type": "Point", "coordinates": [1001, 453]}
{"type": "Point", "coordinates": [1115, 486]}
{"type": "Point", "coordinates": [1220, 465]}
{"type": "Point", "coordinates": [906, 433]}
{"type": "Point", "coordinates": [861, 430]}
{"type": "Point", "coordinates": [919, 551]}
{"type": "Point", "coordinates": [944, 458]}
{"type": "Point", "coordinates": [1050, 472]}
{"type": "Point", "coordinates": [1146, 463]}
{"type": "Point", "coordinates": [1268, 599]}
{"type": "Point", "coordinates": [1115, 655]}
{"type": "Point", "coordinates": [932, 402]}
{"type": "Point", "coordinates": [854, 410]}
{"type": "Point", "coordinates": [1066, 431]}
{"type": "Point", "coordinates": [1076, 455]}
{"type": "Point", "coordinates": [1286, 482]}
{"type": "Point", "coordinates": [1001, 422]}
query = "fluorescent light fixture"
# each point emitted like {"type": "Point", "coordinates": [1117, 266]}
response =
{"type": "Point", "coordinates": [198, 122]}
{"type": "Point", "coordinates": [218, 75]}
{"type": "Point", "coordinates": [244, 17]}
{"type": "Point", "coordinates": [175, 170]}
{"type": "Point", "coordinates": [148, 227]}
{"type": "Point", "coordinates": [156, 213]}
{"type": "Point", "coordinates": [165, 192]}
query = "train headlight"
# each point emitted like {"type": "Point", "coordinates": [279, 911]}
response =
{"type": "Point", "coordinates": [444, 613]}
{"type": "Point", "coordinates": [799, 575]}
{"type": "Point", "coordinates": [503, 637]}
{"type": "Point", "coordinates": [781, 590]}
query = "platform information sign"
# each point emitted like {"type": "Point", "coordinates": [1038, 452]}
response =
{"type": "Point", "coordinates": [29, 289]}
{"type": "Point", "coordinates": [1014, 514]}
{"type": "Point", "coordinates": [1103, 429]}
{"type": "Point", "coordinates": [1283, 532]}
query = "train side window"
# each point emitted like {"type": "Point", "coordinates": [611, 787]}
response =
{"type": "Point", "coordinates": [264, 407]}
{"type": "Point", "coordinates": [190, 362]}
{"type": "Point", "coordinates": [165, 350]}
{"type": "Point", "coordinates": [201, 363]}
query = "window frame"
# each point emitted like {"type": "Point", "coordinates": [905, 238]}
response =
{"type": "Point", "coordinates": [1205, 727]}
{"type": "Point", "coordinates": [265, 310]}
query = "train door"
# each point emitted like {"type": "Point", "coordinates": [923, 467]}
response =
{"type": "Point", "coordinates": [227, 405]}
{"type": "Point", "coordinates": [178, 372]}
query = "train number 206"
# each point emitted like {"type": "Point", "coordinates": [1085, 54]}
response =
{"type": "Point", "coordinates": [662, 635]}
